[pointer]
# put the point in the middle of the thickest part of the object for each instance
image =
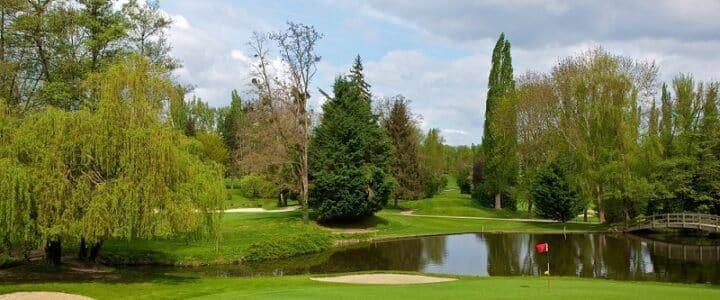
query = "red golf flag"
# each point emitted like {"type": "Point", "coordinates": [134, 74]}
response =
{"type": "Point", "coordinates": [541, 248]}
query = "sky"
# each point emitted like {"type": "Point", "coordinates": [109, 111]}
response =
{"type": "Point", "coordinates": [437, 53]}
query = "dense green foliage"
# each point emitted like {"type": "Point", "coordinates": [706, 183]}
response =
{"type": "Point", "coordinates": [115, 170]}
{"type": "Point", "coordinates": [350, 156]}
{"type": "Point", "coordinates": [553, 194]}
{"type": "Point", "coordinates": [464, 181]}
{"type": "Point", "coordinates": [629, 154]}
{"type": "Point", "coordinates": [231, 121]}
{"type": "Point", "coordinates": [459, 160]}
{"type": "Point", "coordinates": [405, 167]}
{"type": "Point", "coordinates": [499, 140]}
{"type": "Point", "coordinates": [48, 48]}
{"type": "Point", "coordinates": [433, 162]}
{"type": "Point", "coordinates": [256, 186]}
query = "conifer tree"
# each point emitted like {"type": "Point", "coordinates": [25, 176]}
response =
{"type": "Point", "coordinates": [231, 122]}
{"type": "Point", "coordinates": [553, 194]}
{"type": "Point", "coordinates": [350, 154]}
{"type": "Point", "coordinates": [405, 167]}
{"type": "Point", "coordinates": [356, 76]}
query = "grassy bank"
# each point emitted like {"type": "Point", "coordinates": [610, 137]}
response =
{"type": "Point", "coordinates": [261, 236]}
{"type": "Point", "coordinates": [301, 287]}
{"type": "Point", "coordinates": [394, 224]}
{"type": "Point", "coordinates": [237, 200]}
{"type": "Point", "coordinates": [244, 237]}
{"type": "Point", "coordinates": [452, 203]}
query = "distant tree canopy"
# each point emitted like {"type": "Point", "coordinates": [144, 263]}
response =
{"type": "Point", "coordinates": [433, 162]}
{"type": "Point", "coordinates": [628, 152]}
{"type": "Point", "coordinates": [350, 156]}
{"type": "Point", "coordinates": [399, 124]}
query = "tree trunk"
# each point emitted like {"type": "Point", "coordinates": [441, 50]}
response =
{"type": "Point", "coordinates": [585, 218]}
{"type": "Point", "coordinates": [83, 252]}
{"type": "Point", "coordinates": [304, 171]}
{"type": "Point", "coordinates": [530, 203]}
{"type": "Point", "coordinates": [2, 35]}
{"type": "Point", "coordinates": [53, 252]}
{"type": "Point", "coordinates": [498, 201]}
{"type": "Point", "coordinates": [282, 200]}
{"type": "Point", "coordinates": [95, 250]}
{"type": "Point", "coordinates": [600, 210]}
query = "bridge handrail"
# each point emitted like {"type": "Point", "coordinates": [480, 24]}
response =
{"type": "Point", "coordinates": [676, 218]}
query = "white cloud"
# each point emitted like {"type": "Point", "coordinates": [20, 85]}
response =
{"type": "Point", "coordinates": [450, 90]}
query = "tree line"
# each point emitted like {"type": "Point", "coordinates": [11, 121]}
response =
{"type": "Point", "coordinates": [603, 133]}
{"type": "Point", "coordinates": [99, 141]}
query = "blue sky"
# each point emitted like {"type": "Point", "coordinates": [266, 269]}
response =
{"type": "Point", "coordinates": [437, 53]}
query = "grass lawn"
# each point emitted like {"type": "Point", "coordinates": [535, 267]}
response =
{"type": "Point", "coordinates": [244, 237]}
{"type": "Point", "coordinates": [259, 236]}
{"type": "Point", "coordinates": [236, 200]}
{"type": "Point", "coordinates": [389, 223]}
{"type": "Point", "coordinates": [452, 203]}
{"type": "Point", "coordinates": [301, 287]}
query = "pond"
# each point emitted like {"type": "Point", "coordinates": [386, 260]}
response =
{"type": "Point", "coordinates": [613, 256]}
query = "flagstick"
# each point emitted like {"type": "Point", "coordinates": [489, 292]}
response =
{"type": "Point", "coordinates": [547, 255]}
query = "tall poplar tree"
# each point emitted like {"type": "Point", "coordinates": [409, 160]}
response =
{"type": "Point", "coordinates": [500, 83]}
{"type": "Point", "coordinates": [230, 126]}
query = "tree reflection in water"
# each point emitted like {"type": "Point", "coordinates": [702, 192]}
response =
{"type": "Point", "coordinates": [595, 255]}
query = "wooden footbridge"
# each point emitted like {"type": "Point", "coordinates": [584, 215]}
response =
{"type": "Point", "coordinates": [702, 222]}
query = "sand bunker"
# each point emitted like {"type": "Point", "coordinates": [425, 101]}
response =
{"type": "Point", "coordinates": [384, 279]}
{"type": "Point", "coordinates": [42, 296]}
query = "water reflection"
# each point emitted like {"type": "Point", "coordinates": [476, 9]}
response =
{"type": "Point", "coordinates": [622, 257]}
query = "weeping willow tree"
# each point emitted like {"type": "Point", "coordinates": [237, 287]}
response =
{"type": "Point", "coordinates": [17, 228]}
{"type": "Point", "coordinates": [115, 169]}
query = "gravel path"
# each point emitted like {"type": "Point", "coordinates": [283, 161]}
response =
{"type": "Point", "coordinates": [262, 210]}
{"type": "Point", "coordinates": [384, 279]}
{"type": "Point", "coordinates": [411, 213]}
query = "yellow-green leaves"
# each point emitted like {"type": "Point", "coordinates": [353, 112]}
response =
{"type": "Point", "coordinates": [115, 169]}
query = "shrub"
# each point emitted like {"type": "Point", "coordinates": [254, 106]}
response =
{"type": "Point", "coordinates": [257, 186]}
{"type": "Point", "coordinates": [434, 186]}
{"type": "Point", "coordinates": [464, 182]}
{"type": "Point", "coordinates": [553, 195]}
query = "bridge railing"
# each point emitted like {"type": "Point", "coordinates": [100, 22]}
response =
{"type": "Point", "coordinates": [690, 220]}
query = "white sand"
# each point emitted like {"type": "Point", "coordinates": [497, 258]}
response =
{"type": "Point", "coordinates": [384, 279]}
{"type": "Point", "coordinates": [42, 296]}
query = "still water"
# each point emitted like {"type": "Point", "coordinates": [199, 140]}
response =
{"type": "Point", "coordinates": [621, 257]}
